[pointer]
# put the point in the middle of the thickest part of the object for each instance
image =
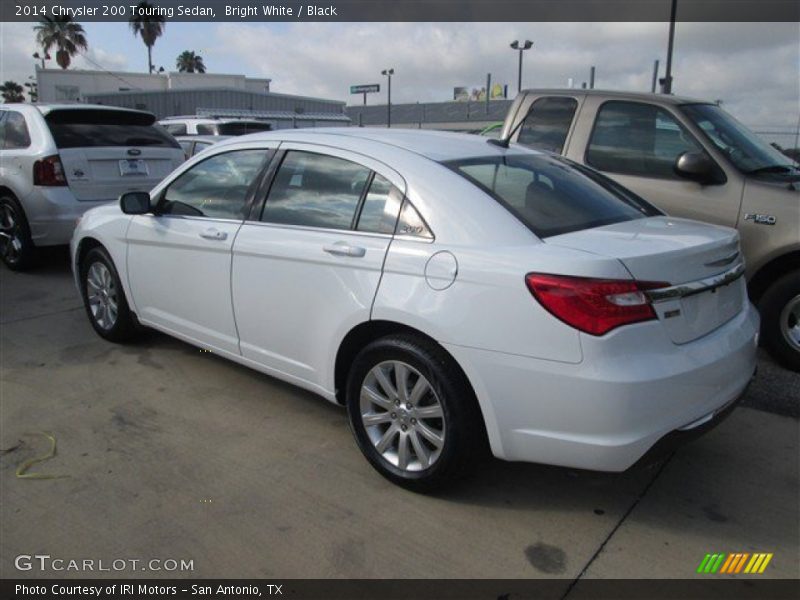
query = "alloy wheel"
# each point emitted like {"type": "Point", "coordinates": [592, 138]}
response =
{"type": "Point", "coordinates": [10, 234]}
{"type": "Point", "coordinates": [101, 291]}
{"type": "Point", "coordinates": [790, 322]}
{"type": "Point", "coordinates": [402, 416]}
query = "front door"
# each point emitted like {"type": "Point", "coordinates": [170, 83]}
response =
{"type": "Point", "coordinates": [179, 259]}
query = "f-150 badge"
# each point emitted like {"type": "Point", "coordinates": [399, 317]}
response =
{"type": "Point", "coordinates": [760, 219]}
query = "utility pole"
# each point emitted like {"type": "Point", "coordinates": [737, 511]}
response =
{"type": "Point", "coordinates": [667, 87]}
{"type": "Point", "coordinates": [591, 78]}
{"type": "Point", "coordinates": [488, 90]}
{"type": "Point", "coordinates": [655, 77]}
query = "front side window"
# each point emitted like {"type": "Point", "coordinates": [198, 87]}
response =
{"type": "Point", "coordinates": [548, 123]}
{"type": "Point", "coordinates": [550, 195]}
{"type": "Point", "coordinates": [633, 138]}
{"type": "Point", "coordinates": [315, 190]}
{"type": "Point", "coordinates": [15, 131]}
{"type": "Point", "coordinates": [217, 187]}
{"type": "Point", "coordinates": [206, 129]}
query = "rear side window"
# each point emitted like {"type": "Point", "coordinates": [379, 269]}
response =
{"type": "Point", "coordinates": [315, 190]}
{"type": "Point", "coordinates": [547, 124]}
{"type": "Point", "coordinates": [242, 127]}
{"type": "Point", "coordinates": [380, 208]}
{"type": "Point", "coordinates": [634, 138]}
{"type": "Point", "coordinates": [550, 195]}
{"type": "Point", "coordinates": [87, 128]}
{"type": "Point", "coordinates": [206, 129]}
{"type": "Point", "coordinates": [14, 133]}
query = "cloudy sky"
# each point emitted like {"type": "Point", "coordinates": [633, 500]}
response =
{"type": "Point", "coordinates": [754, 68]}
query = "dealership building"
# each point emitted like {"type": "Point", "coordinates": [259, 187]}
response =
{"type": "Point", "coordinates": [181, 94]}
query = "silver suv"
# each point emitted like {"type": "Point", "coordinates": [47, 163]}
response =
{"type": "Point", "coordinates": [691, 159]}
{"type": "Point", "coordinates": [59, 160]}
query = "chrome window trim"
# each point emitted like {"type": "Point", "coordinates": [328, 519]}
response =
{"type": "Point", "coordinates": [696, 287]}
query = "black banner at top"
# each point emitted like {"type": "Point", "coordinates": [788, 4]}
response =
{"type": "Point", "coordinates": [408, 10]}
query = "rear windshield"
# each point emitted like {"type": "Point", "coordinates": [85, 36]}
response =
{"type": "Point", "coordinates": [86, 128]}
{"type": "Point", "coordinates": [552, 195]}
{"type": "Point", "coordinates": [241, 127]}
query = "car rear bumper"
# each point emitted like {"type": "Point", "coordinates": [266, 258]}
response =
{"type": "Point", "coordinates": [633, 387]}
{"type": "Point", "coordinates": [52, 213]}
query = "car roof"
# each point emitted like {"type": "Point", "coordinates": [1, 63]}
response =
{"type": "Point", "coordinates": [435, 145]}
{"type": "Point", "coordinates": [617, 94]}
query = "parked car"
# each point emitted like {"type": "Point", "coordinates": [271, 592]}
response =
{"type": "Point", "coordinates": [59, 160]}
{"type": "Point", "coordinates": [192, 144]}
{"type": "Point", "coordinates": [691, 159]}
{"type": "Point", "coordinates": [213, 126]}
{"type": "Point", "coordinates": [445, 289]}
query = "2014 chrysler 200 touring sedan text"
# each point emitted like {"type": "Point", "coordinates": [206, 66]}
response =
{"type": "Point", "coordinates": [447, 290]}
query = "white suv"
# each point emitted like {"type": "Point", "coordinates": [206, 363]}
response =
{"type": "Point", "coordinates": [59, 160]}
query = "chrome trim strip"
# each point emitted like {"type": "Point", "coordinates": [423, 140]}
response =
{"type": "Point", "coordinates": [722, 262]}
{"type": "Point", "coordinates": [696, 287]}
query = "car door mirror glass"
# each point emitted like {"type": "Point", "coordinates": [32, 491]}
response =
{"type": "Point", "coordinates": [135, 203]}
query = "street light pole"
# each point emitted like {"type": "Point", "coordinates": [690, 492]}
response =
{"type": "Point", "coordinates": [388, 73]}
{"type": "Point", "coordinates": [515, 45]}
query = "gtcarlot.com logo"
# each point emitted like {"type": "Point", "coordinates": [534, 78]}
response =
{"type": "Point", "coordinates": [44, 562]}
{"type": "Point", "coordinates": [735, 563]}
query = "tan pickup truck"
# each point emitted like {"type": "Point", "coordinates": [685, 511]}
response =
{"type": "Point", "coordinates": [691, 159]}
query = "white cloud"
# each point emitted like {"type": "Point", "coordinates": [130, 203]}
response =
{"type": "Point", "coordinates": [752, 67]}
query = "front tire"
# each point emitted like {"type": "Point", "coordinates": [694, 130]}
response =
{"type": "Point", "coordinates": [16, 246]}
{"type": "Point", "coordinates": [780, 320]}
{"type": "Point", "coordinates": [104, 298]}
{"type": "Point", "coordinates": [413, 414]}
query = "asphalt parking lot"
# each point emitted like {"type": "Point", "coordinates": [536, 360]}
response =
{"type": "Point", "coordinates": [170, 452]}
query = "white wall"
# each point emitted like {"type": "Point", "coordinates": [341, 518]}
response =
{"type": "Point", "coordinates": [58, 85]}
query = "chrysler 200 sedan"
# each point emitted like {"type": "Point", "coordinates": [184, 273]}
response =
{"type": "Point", "coordinates": [452, 293]}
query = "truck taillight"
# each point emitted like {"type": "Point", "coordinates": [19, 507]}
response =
{"type": "Point", "coordinates": [595, 306]}
{"type": "Point", "coordinates": [49, 172]}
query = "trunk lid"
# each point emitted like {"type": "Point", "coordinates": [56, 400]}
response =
{"type": "Point", "coordinates": [691, 258]}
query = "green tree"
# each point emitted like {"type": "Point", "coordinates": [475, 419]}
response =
{"type": "Point", "coordinates": [61, 33]}
{"type": "Point", "coordinates": [189, 62]}
{"type": "Point", "coordinates": [12, 92]}
{"type": "Point", "coordinates": [148, 26]}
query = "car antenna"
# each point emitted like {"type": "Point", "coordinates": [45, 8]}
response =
{"type": "Point", "coordinates": [504, 141]}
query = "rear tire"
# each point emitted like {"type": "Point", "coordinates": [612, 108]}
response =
{"type": "Point", "coordinates": [16, 246]}
{"type": "Point", "coordinates": [104, 298]}
{"type": "Point", "coordinates": [425, 431]}
{"type": "Point", "coordinates": [780, 320]}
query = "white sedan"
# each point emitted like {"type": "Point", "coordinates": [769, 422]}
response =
{"type": "Point", "coordinates": [452, 293]}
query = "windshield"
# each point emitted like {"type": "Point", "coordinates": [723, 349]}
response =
{"type": "Point", "coordinates": [551, 195]}
{"type": "Point", "coordinates": [744, 149]}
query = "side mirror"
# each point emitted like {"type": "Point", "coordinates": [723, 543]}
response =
{"type": "Point", "coordinates": [698, 167]}
{"type": "Point", "coordinates": [135, 203]}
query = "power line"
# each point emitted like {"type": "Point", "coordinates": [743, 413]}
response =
{"type": "Point", "coordinates": [102, 68]}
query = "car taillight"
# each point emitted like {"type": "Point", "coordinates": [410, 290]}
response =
{"type": "Point", "coordinates": [595, 306]}
{"type": "Point", "coordinates": [49, 171]}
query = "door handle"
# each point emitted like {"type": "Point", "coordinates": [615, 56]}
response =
{"type": "Point", "coordinates": [345, 249]}
{"type": "Point", "coordinates": [213, 234]}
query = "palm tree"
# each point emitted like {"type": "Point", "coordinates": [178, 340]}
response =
{"type": "Point", "coordinates": [189, 62]}
{"type": "Point", "coordinates": [12, 92]}
{"type": "Point", "coordinates": [62, 33]}
{"type": "Point", "coordinates": [149, 26]}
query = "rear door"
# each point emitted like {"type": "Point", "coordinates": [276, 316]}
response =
{"type": "Point", "coordinates": [307, 267]}
{"type": "Point", "coordinates": [179, 260]}
{"type": "Point", "coordinates": [106, 152]}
